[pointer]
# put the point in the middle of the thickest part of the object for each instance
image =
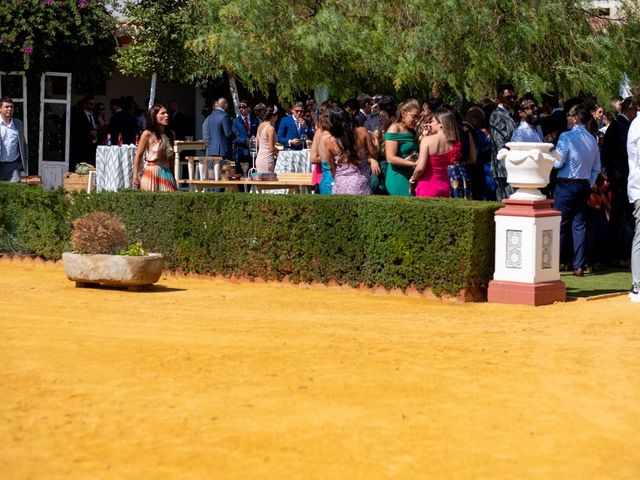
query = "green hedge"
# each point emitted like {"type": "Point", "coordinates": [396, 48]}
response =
{"type": "Point", "coordinates": [443, 244]}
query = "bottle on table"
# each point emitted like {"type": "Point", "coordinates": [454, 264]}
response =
{"type": "Point", "coordinates": [108, 140]}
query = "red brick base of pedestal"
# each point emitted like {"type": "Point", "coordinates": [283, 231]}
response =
{"type": "Point", "coordinates": [543, 293]}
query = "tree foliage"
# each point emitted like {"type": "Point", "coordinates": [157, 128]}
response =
{"type": "Point", "coordinates": [62, 35]}
{"type": "Point", "coordinates": [159, 32]}
{"type": "Point", "coordinates": [413, 47]}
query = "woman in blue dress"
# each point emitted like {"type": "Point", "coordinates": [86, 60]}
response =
{"type": "Point", "coordinates": [319, 154]}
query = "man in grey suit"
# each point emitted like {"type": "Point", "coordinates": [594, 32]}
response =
{"type": "Point", "coordinates": [13, 147]}
{"type": "Point", "coordinates": [502, 126]}
{"type": "Point", "coordinates": [216, 130]}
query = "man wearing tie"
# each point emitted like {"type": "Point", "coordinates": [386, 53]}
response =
{"type": "Point", "coordinates": [84, 134]}
{"type": "Point", "coordinates": [294, 130]}
{"type": "Point", "coordinates": [244, 127]}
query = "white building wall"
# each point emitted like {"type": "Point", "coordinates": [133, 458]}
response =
{"type": "Point", "coordinates": [611, 5]}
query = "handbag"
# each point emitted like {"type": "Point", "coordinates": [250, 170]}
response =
{"type": "Point", "coordinates": [459, 181]}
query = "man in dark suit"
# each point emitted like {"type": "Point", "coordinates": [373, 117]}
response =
{"type": "Point", "coordinates": [365, 101]}
{"type": "Point", "coordinates": [121, 123]}
{"type": "Point", "coordinates": [616, 163]}
{"type": "Point", "coordinates": [244, 126]}
{"type": "Point", "coordinates": [217, 130]}
{"type": "Point", "coordinates": [294, 129]}
{"type": "Point", "coordinates": [84, 134]}
{"type": "Point", "coordinates": [502, 126]}
{"type": "Point", "coordinates": [177, 121]}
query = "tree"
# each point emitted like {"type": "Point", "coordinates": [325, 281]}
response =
{"type": "Point", "coordinates": [158, 32]}
{"type": "Point", "coordinates": [411, 47]}
{"type": "Point", "coordinates": [416, 47]}
{"type": "Point", "coordinates": [61, 35]}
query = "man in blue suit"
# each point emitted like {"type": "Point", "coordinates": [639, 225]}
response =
{"type": "Point", "coordinates": [294, 128]}
{"type": "Point", "coordinates": [244, 127]}
{"type": "Point", "coordinates": [216, 130]}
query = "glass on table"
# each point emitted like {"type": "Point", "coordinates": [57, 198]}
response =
{"type": "Point", "coordinates": [245, 168]}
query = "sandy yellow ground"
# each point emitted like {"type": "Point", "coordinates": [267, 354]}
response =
{"type": "Point", "coordinates": [209, 379]}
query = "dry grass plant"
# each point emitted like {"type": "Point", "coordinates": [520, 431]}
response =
{"type": "Point", "coordinates": [99, 233]}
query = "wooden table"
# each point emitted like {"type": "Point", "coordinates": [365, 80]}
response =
{"type": "Point", "coordinates": [232, 185]}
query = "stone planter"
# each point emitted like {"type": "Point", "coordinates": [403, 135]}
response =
{"type": "Point", "coordinates": [135, 273]}
{"type": "Point", "coordinates": [528, 167]}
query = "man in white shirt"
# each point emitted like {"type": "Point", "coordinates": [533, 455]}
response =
{"type": "Point", "coordinates": [633, 192]}
{"type": "Point", "coordinates": [529, 129]}
{"type": "Point", "coordinates": [13, 148]}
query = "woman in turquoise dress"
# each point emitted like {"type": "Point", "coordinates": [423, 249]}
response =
{"type": "Point", "coordinates": [318, 152]}
{"type": "Point", "coordinates": [401, 147]}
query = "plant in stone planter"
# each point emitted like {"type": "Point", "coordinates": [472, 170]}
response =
{"type": "Point", "coordinates": [99, 233]}
{"type": "Point", "coordinates": [102, 255]}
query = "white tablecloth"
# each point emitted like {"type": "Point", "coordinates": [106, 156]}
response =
{"type": "Point", "coordinates": [292, 161]}
{"type": "Point", "coordinates": [114, 167]}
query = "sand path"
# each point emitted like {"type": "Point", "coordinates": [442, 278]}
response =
{"type": "Point", "coordinates": [203, 379]}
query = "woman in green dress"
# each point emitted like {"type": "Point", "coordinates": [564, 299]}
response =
{"type": "Point", "coordinates": [401, 148]}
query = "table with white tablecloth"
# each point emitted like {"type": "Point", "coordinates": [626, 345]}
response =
{"type": "Point", "coordinates": [114, 167]}
{"type": "Point", "coordinates": [292, 161]}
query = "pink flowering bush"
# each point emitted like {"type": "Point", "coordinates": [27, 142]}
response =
{"type": "Point", "coordinates": [58, 35]}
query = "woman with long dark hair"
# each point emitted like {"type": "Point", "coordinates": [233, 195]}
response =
{"type": "Point", "coordinates": [323, 178]}
{"type": "Point", "coordinates": [346, 154]}
{"type": "Point", "coordinates": [156, 149]}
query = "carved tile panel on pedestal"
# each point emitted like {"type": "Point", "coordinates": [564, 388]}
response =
{"type": "Point", "coordinates": [514, 249]}
{"type": "Point", "coordinates": [547, 243]}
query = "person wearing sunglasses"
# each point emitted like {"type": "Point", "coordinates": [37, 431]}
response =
{"type": "Point", "coordinates": [244, 127]}
{"type": "Point", "coordinates": [502, 126]}
{"type": "Point", "coordinates": [529, 129]}
{"type": "Point", "coordinates": [294, 130]}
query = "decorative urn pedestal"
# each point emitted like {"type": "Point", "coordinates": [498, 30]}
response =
{"type": "Point", "coordinates": [527, 259]}
{"type": "Point", "coordinates": [134, 272]}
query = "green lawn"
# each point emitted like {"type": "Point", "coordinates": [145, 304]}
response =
{"type": "Point", "coordinates": [597, 283]}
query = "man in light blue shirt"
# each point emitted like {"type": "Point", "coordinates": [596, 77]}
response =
{"type": "Point", "coordinates": [578, 168]}
{"type": "Point", "coordinates": [13, 149]}
{"type": "Point", "coordinates": [529, 129]}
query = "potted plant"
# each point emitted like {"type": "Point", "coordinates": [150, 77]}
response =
{"type": "Point", "coordinates": [102, 255]}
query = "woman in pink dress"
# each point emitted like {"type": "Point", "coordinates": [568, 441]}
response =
{"type": "Point", "coordinates": [437, 152]}
{"type": "Point", "coordinates": [266, 136]}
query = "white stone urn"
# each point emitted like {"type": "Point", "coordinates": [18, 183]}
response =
{"type": "Point", "coordinates": [133, 272]}
{"type": "Point", "coordinates": [528, 167]}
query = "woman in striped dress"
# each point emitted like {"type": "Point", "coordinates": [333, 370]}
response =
{"type": "Point", "coordinates": [156, 146]}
